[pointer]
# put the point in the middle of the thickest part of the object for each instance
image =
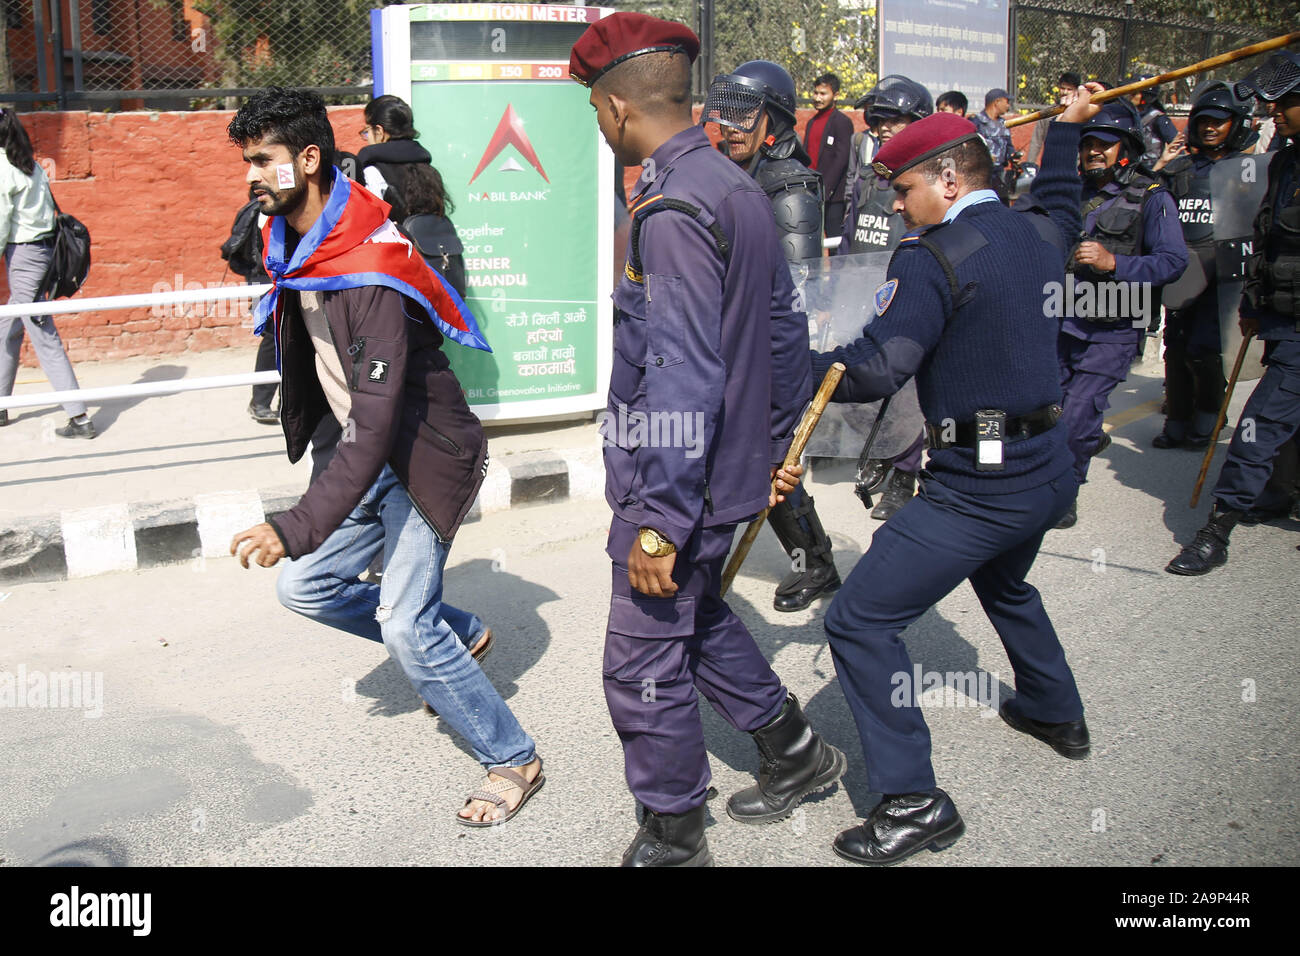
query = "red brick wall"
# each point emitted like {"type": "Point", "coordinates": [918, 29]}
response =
{"type": "Point", "coordinates": [158, 192]}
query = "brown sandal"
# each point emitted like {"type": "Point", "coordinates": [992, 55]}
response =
{"type": "Point", "coordinates": [491, 793]}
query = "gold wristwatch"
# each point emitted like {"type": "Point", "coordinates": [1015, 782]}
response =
{"type": "Point", "coordinates": [655, 544]}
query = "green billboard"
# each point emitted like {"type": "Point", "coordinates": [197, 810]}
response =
{"type": "Point", "coordinates": [519, 152]}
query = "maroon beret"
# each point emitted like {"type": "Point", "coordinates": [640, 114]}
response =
{"type": "Point", "coordinates": [922, 140]}
{"type": "Point", "coordinates": [623, 35]}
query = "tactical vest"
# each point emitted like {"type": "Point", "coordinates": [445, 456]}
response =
{"type": "Point", "coordinates": [1118, 228]}
{"type": "Point", "coordinates": [795, 192]}
{"type": "Point", "coordinates": [1274, 271]}
{"type": "Point", "coordinates": [1189, 182]}
{"type": "Point", "coordinates": [876, 227]}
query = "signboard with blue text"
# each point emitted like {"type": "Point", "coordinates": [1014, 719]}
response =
{"type": "Point", "coordinates": [946, 44]}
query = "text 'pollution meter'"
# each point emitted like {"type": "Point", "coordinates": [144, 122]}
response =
{"type": "Point", "coordinates": [521, 157]}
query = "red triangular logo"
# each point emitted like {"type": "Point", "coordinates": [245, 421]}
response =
{"type": "Point", "coordinates": [509, 132]}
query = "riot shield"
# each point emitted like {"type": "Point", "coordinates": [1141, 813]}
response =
{"type": "Point", "coordinates": [837, 294]}
{"type": "Point", "coordinates": [1238, 185]}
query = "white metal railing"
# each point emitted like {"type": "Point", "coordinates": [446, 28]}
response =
{"type": "Point", "coordinates": [139, 389]}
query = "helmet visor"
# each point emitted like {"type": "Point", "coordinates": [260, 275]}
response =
{"type": "Point", "coordinates": [1279, 76]}
{"type": "Point", "coordinates": [730, 104]}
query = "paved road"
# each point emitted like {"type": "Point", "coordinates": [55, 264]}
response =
{"type": "Point", "coordinates": [234, 732]}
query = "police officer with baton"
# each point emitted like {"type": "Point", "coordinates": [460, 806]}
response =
{"type": "Point", "coordinates": [977, 339]}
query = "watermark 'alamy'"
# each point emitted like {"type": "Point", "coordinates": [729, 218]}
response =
{"type": "Point", "coordinates": [63, 689]}
{"type": "Point", "coordinates": [75, 908]}
{"type": "Point", "coordinates": [653, 430]}
{"type": "Point", "coordinates": [945, 689]}
{"type": "Point", "coordinates": [1104, 301]}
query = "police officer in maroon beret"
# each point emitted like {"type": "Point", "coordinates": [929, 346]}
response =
{"type": "Point", "coordinates": [975, 336]}
{"type": "Point", "coordinates": [706, 331]}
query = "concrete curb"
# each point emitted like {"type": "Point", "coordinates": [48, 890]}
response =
{"type": "Point", "coordinates": [124, 537]}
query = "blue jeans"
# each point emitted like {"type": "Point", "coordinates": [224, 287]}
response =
{"type": "Point", "coordinates": [428, 638]}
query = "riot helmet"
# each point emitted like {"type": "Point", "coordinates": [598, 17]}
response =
{"type": "Point", "coordinates": [895, 95]}
{"type": "Point", "coordinates": [1150, 96]}
{"type": "Point", "coordinates": [738, 100]}
{"type": "Point", "coordinates": [1278, 76]}
{"type": "Point", "coordinates": [1218, 100]}
{"type": "Point", "coordinates": [1116, 123]}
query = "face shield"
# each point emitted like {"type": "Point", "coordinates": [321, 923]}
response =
{"type": "Point", "coordinates": [733, 104]}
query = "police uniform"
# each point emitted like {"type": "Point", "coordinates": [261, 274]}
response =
{"type": "Point", "coordinates": [1271, 415]}
{"type": "Point", "coordinates": [1214, 208]}
{"type": "Point", "coordinates": [871, 225]}
{"type": "Point", "coordinates": [972, 333]}
{"type": "Point", "coordinates": [779, 166]}
{"type": "Point", "coordinates": [1137, 222]}
{"type": "Point", "coordinates": [706, 329]}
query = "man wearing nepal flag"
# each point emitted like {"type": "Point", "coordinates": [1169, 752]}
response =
{"type": "Point", "coordinates": [359, 323]}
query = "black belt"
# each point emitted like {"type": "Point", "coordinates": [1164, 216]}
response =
{"type": "Point", "coordinates": [1018, 429]}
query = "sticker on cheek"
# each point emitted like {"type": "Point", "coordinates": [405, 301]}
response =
{"type": "Point", "coordinates": [284, 175]}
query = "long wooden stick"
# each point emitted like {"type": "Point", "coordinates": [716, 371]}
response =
{"type": "Point", "coordinates": [1215, 61]}
{"type": "Point", "coordinates": [801, 436]}
{"type": "Point", "coordinates": [1223, 415]}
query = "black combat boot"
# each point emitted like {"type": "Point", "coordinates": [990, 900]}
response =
{"type": "Point", "coordinates": [1209, 548]}
{"type": "Point", "coordinates": [670, 839]}
{"type": "Point", "coordinates": [792, 763]}
{"type": "Point", "coordinates": [899, 491]}
{"type": "Point", "coordinates": [798, 589]}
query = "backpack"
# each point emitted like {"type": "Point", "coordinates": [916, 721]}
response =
{"type": "Point", "coordinates": [71, 259]}
{"type": "Point", "coordinates": [243, 250]}
{"type": "Point", "coordinates": [435, 237]}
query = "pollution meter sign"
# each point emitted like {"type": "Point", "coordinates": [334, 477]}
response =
{"type": "Point", "coordinates": [533, 185]}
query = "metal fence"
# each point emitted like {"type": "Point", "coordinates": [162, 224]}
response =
{"type": "Point", "coordinates": [1111, 42]}
{"type": "Point", "coordinates": [180, 54]}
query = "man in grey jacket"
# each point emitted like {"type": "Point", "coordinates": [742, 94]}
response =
{"type": "Point", "coordinates": [359, 324]}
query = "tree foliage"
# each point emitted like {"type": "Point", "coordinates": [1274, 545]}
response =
{"type": "Point", "coordinates": [291, 42]}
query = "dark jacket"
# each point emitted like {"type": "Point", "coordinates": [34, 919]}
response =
{"type": "Point", "coordinates": [408, 411]}
{"type": "Point", "coordinates": [702, 339]}
{"type": "Point", "coordinates": [393, 159]}
{"type": "Point", "coordinates": [836, 151]}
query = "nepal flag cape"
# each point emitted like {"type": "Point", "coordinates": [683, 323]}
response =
{"type": "Point", "coordinates": [353, 244]}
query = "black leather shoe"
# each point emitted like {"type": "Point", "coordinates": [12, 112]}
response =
{"type": "Point", "coordinates": [670, 839]}
{"type": "Point", "coordinates": [1102, 445]}
{"type": "Point", "coordinates": [1209, 548]}
{"type": "Point", "coordinates": [1069, 739]}
{"type": "Point", "coordinates": [1071, 517]}
{"type": "Point", "coordinates": [799, 590]}
{"type": "Point", "coordinates": [263, 414]}
{"type": "Point", "coordinates": [4, 417]}
{"type": "Point", "coordinates": [901, 825]}
{"type": "Point", "coordinates": [76, 429]}
{"type": "Point", "coordinates": [793, 761]}
{"type": "Point", "coordinates": [899, 491]}
{"type": "Point", "coordinates": [1166, 440]}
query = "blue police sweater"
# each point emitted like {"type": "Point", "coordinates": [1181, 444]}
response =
{"type": "Point", "coordinates": [998, 350]}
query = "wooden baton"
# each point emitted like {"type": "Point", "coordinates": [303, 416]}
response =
{"type": "Point", "coordinates": [801, 436]}
{"type": "Point", "coordinates": [1218, 424]}
{"type": "Point", "coordinates": [1215, 61]}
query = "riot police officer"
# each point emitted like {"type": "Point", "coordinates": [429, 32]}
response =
{"type": "Point", "coordinates": [1219, 128]}
{"type": "Point", "coordinates": [1130, 246]}
{"type": "Point", "coordinates": [1156, 128]}
{"type": "Point", "coordinates": [872, 225]}
{"type": "Point", "coordinates": [755, 109]}
{"type": "Point", "coordinates": [1271, 309]}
